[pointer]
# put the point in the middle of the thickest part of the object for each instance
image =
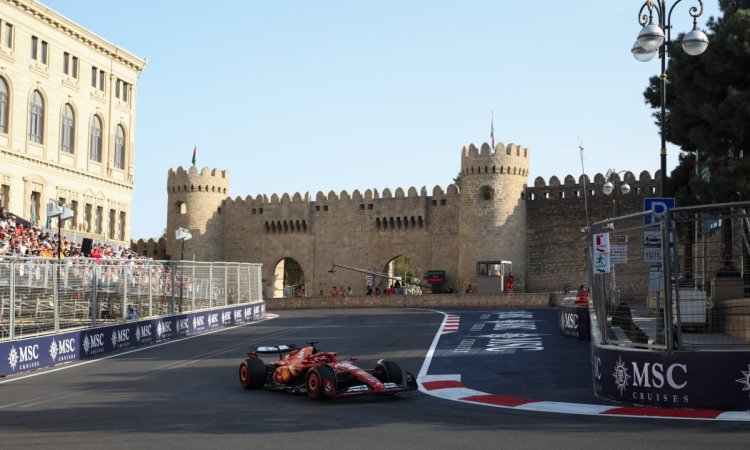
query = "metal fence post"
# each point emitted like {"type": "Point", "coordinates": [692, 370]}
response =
{"type": "Point", "coordinates": [12, 318]}
{"type": "Point", "coordinates": [56, 296]}
{"type": "Point", "coordinates": [150, 291]}
{"type": "Point", "coordinates": [174, 270]}
{"type": "Point", "coordinates": [666, 265]}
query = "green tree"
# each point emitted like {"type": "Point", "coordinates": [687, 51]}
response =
{"type": "Point", "coordinates": [457, 180]}
{"type": "Point", "coordinates": [708, 101]}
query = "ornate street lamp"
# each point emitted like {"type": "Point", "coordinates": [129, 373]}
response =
{"type": "Point", "coordinates": [608, 188]}
{"type": "Point", "coordinates": [652, 39]}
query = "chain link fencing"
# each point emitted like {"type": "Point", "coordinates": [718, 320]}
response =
{"type": "Point", "coordinates": [43, 295]}
{"type": "Point", "coordinates": [677, 280]}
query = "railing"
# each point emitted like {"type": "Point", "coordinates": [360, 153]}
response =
{"type": "Point", "coordinates": [672, 281]}
{"type": "Point", "coordinates": [43, 295]}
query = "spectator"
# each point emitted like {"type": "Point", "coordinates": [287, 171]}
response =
{"type": "Point", "coordinates": [469, 289]}
{"type": "Point", "coordinates": [349, 291]}
{"type": "Point", "coordinates": [377, 292]}
{"type": "Point", "coordinates": [334, 292]}
{"type": "Point", "coordinates": [132, 313]}
{"type": "Point", "coordinates": [510, 283]}
{"type": "Point", "coordinates": [583, 295]}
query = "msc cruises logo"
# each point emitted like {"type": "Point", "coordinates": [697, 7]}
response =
{"type": "Point", "coordinates": [745, 379]}
{"type": "Point", "coordinates": [621, 376]}
{"type": "Point", "coordinates": [64, 349]}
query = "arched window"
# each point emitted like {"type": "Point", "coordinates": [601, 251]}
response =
{"type": "Point", "coordinates": [95, 139]}
{"type": "Point", "coordinates": [120, 148]}
{"type": "Point", "coordinates": [67, 131]}
{"type": "Point", "coordinates": [36, 118]}
{"type": "Point", "coordinates": [3, 106]}
{"type": "Point", "coordinates": [486, 192]}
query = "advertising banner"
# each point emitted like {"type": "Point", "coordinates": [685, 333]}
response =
{"type": "Point", "coordinates": [30, 354]}
{"type": "Point", "coordinates": [681, 379]}
{"type": "Point", "coordinates": [575, 321]}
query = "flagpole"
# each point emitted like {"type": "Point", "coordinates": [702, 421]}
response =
{"type": "Point", "coordinates": [492, 130]}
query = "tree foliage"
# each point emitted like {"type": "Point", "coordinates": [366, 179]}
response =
{"type": "Point", "coordinates": [708, 110]}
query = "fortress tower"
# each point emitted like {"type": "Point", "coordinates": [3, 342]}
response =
{"type": "Point", "coordinates": [492, 218]}
{"type": "Point", "coordinates": [194, 202]}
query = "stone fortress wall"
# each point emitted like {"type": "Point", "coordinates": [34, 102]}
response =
{"type": "Point", "coordinates": [494, 216]}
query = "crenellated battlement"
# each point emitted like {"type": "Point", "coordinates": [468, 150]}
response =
{"type": "Point", "coordinates": [502, 160]}
{"type": "Point", "coordinates": [208, 180]}
{"type": "Point", "coordinates": [571, 187]}
{"type": "Point", "coordinates": [343, 197]}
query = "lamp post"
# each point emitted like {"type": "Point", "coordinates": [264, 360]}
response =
{"type": "Point", "coordinates": [652, 39]}
{"type": "Point", "coordinates": [182, 234]}
{"type": "Point", "coordinates": [608, 188]}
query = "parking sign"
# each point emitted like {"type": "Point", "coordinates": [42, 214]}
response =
{"type": "Point", "coordinates": [658, 205]}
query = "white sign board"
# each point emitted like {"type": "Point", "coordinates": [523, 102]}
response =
{"type": "Point", "coordinates": [652, 246]}
{"type": "Point", "coordinates": [601, 253]}
{"type": "Point", "coordinates": [618, 249]}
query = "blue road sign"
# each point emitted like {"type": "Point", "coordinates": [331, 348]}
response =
{"type": "Point", "coordinates": [659, 205]}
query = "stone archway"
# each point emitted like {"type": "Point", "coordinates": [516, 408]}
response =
{"type": "Point", "coordinates": [401, 272]}
{"type": "Point", "coordinates": [288, 279]}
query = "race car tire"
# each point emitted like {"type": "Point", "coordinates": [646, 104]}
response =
{"type": "Point", "coordinates": [252, 373]}
{"type": "Point", "coordinates": [388, 372]}
{"type": "Point", "coordinates": [316, 381]}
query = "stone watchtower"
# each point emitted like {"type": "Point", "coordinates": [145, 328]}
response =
{"type": "Point", "coordinates": [492, 218]}
{"type": "Point", "coordinates": [194, 202]}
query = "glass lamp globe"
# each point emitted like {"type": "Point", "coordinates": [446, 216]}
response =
{"type": "Point", "coordinates": [608, 188]}
{"type": "Point", "coordinates": [651, 37]}
{"type": "Point", "coordinates": [641, 54]}
{"type": "Point", "coordinates": [695, 42]}
{"type": "Point", "coordinates": [624, 188]}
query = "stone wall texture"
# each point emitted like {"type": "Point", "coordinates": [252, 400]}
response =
{"type": "Point", "coordinates": [495, 215]}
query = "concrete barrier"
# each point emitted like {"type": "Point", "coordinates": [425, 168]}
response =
{"type": "Point", "coordinates": [515, 300]}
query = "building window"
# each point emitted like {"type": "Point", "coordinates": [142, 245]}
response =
{"type": "Point", "coordinates": [3, 106]}
{"type": "Point", "coordinates": [36, 118]}
{"type": "Point", "coordinates": [74, 67]}
{"type": "Point", "coordinates": [8, 35]}
{"type": "Point", "coordinates": [101, 80]}
{"type": "Point", "coordinates": [112, 223]}
{"type": "Point", "coordinates": [74, 219]}
{"type": "Point", "coordinates": [99, 219]}
{"type": "Point", "coordinates": [39, 49]}
{"type": "Point", "coordinates": [68, 129]}
{"type": "Point", "coordinates": [94, 71]}
{"type": "Point", "coordinates": [4, 196]}
{"type": "Point", "coordinates": [121, 226]}
{"type": "Point", "coordinates": [120, 148]}
{"type": "Point", "coordinates": [95, 140]}
{"type": "Point", "coordinates": [121, 90]}
{"type": "Point", "coordinates": [66, 63]}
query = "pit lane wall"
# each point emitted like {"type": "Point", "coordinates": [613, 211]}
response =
{"type": "Point", "coordinates": [515, 300]}
{"type": "Point", "coordinates": [33, 353]}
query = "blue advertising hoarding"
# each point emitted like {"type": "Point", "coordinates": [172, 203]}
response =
{"type": "Point", "coordinates": [34, 353]}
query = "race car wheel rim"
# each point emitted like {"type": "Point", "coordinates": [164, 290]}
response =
{"type": "Point", "coordinates": [244, 374]}
{"type": "Point", "coordinates": [313, 383]}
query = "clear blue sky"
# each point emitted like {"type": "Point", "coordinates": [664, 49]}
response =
{"type": "Point", "coordinates": [301, 96]}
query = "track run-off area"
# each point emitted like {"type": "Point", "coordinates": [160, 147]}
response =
{"type": "Point", "coordinates": [185, 393]}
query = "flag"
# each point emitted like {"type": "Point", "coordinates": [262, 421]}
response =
{"type": "Point", "coordinates": [492, 130]}
{"type": "Point", "coordinates": [194, 151]}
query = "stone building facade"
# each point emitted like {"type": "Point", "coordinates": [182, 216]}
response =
{"type": "Point", "coordinates": [494, 216]}
{"type": "Point", "coordinates": [67, 121]}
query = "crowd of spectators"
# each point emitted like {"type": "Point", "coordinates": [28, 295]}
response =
{"type": "Point", "coordinates": [19, 237]}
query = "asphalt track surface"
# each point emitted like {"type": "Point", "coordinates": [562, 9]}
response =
{"type": "Point", "coordinates": [185, 394]}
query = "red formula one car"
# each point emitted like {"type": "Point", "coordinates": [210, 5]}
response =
{"type": "Point", "coordinates": [320, 374]}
